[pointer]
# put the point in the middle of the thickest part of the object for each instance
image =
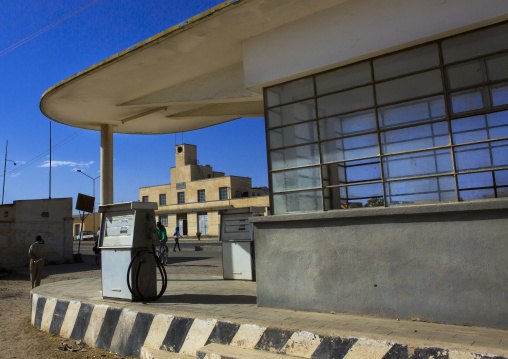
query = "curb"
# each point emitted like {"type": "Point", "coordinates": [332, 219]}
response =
{"type": "Point", "coordinates": [125, 332]}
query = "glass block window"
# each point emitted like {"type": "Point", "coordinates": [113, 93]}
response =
{"type": "Point", "coordinates": [181, 197]}
{"type": "Point", "coordinates": [423, 125]}
{"type": "Point", "coordinates": [162, 199]}
{"type": "Point", "coordinates": [201, 195]}
{"type": "Point", "coordinates": [163, 218]}
{"type": "Point", "coordinates": [223, 193]}
{"type": "Point", "coordinates": [145, 199]}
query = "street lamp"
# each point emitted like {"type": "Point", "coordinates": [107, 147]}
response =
{"type": "Point", "coordinates": [5, 168]}
{"type": "Point", "coordinates": [93, 209]}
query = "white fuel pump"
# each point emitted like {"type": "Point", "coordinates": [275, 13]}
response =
{"type": "Point", "coordinates": [127, 239]}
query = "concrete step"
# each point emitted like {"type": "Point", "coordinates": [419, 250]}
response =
{"type": "Point", "coordinates": [218, 351]}
{"type": "Point", "coordinates": [152, 353]}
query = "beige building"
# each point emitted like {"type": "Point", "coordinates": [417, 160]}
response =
{"type": "Point", "coordinates": [197, 193]}
{"type": "Point", "coordinates": [21, 221]}
{"type": "Point", "coordinates": [88, 225]}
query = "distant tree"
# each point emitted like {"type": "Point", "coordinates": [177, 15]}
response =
{"type": "Point", "coordinates": [375, 202]}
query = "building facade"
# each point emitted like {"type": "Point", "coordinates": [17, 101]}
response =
{"type": "Point", "coordinates": [196, 194]}
{"type": "Point", "coordinates": [22, 221]}
{"type": "Point", "coordinates": [397, 157]}
{"type": "Point", "coordinates": [88, 226]}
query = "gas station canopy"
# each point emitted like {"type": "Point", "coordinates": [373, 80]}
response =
{"type": "Point", "coordinates": [188, 77]}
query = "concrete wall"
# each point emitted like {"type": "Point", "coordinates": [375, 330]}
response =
{"type": "Point", "coordinates": [358, 29]}
{"type": "Point", "coordinates": [52, 219]}
{"type": "Point", "coordinates": [437, 263]}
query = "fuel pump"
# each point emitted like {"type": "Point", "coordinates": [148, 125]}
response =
{"type": "Point", "coordinates": [127, 241]}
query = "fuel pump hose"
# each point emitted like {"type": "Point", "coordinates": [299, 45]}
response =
{"type": "Point", "coordinates": [162, 272]}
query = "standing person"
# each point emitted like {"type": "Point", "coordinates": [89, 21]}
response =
{"type": "Point", "coordinates": [36, 253]}
{"type": "Point", "coordinates": [177, 235]}
{"type": "Point", "coordinates": [97, 252]}
{"type": "Point", "coordinates": [96, 248]}
{"type": "Point", "coordinates": [161, 233]}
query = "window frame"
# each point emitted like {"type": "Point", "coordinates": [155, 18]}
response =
{"type": "Point", "coordinates": [221, 194]}
{"type": "Point", "coordinates": [201, 195]}
{"type": "Point", "coordinates": [447, 93]}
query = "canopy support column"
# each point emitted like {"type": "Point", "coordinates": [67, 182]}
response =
{"type": "Point", "coordinates": [106, 164]}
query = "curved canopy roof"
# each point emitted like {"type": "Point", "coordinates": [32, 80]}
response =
{"type": "Point", "coordinates": [185, 78]}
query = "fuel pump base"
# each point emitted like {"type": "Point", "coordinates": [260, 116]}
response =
{"type": "Point", "coordinates": [126, 230]}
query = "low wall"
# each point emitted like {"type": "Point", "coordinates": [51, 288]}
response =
{"type": "Point", "coordinates": [438, 263]}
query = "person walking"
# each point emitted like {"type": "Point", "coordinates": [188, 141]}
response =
{"type": "Point", "coordinates": [36, 253]}
{"type": "Point", "coordinates": [177, 235]}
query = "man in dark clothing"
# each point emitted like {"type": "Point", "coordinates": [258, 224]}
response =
{"type": "Point", "coordinates": [36, 253]}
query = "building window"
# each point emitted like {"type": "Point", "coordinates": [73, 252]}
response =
{"type": "Point", "coordinates": [201, 195]}
{"type": "Point", "coordinates": [424, 125]}
{"type": "Point", "coordinates": [163, 218]}
{"type": "Point", "coordinates": [181, 197]}
{"type": "Point", "coordinates": [162, 199]}
{"type": "Point", "coordinates": [223, 193]}
{"type": "Point", "coordinates": [145, 198]}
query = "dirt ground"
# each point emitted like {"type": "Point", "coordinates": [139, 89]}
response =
{"type": "Point", "coordinates": [18, 339]}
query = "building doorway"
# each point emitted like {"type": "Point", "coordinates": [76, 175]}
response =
{"type": "Point", "coordinates": [181, 220]}
{"type": "Point", "coordinates": [203, 223]}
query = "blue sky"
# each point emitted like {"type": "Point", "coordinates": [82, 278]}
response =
{"type": "Point", "coordinates": [104, 28]}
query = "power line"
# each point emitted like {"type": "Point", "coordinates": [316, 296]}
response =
{"type": "Point", "coordinates": [28, 13]}
{"type": "Point", "coordinates": [40, 157]}
{"type": "Point", "coordinates": [22, 40]}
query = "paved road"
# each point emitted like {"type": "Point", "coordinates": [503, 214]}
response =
{"type": "Point", "coordinates": [187, 260]}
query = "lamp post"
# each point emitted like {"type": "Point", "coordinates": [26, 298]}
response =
{"type": "Point", "coordinates": [93, 209]}
{"type": "Point", "coordinates": [5, 168]}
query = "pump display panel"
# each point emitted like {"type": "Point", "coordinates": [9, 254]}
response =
{"type": "Point", "coordinates": [118, 229]}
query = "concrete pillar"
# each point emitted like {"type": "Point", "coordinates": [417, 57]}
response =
{"type": "Point", "coordinates": [106, 164]}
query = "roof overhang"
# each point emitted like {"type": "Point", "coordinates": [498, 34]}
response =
{"type": "Point", "coordinates": [188, 77]}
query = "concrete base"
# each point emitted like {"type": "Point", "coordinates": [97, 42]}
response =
{"type": "Point", "coordinates": [435, 263]}
{"type": "Point", "coordinates": [203, 313]}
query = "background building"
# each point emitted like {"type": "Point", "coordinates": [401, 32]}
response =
{"type": "Point", "coordinates": [197, 193]}
{"type": "Point", "coordinates": [88, 226]}
{"type": "Point", "coordinates": [22, 221]}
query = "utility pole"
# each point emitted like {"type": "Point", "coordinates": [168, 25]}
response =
{"type": "Point", "coordinates": [5, 168]}
{"type": "Point", "coordinates": [93, 210]}
{"type": "Point", "coordinates": [49, 159]}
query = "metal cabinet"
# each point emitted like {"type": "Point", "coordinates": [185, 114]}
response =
{"type": "Point", "coordinates": [236, 234]}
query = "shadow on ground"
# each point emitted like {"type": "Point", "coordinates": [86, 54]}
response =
{"type": "Point", "coordinates": [177, 260]}
{"type": "Point", "coordinates": [208, 299]}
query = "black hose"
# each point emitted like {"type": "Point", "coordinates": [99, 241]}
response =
{"type": "Point", "coordinates": [162, 272]}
